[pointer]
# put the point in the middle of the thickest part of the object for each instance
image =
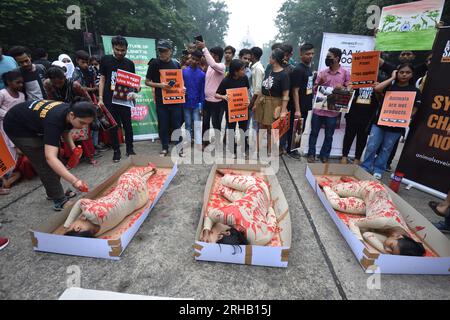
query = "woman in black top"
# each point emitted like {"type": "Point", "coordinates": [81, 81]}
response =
{"type": "Point", "coordinates": [384, 136]}
{"type": "Point", "coordinates": [273, 102]}
{"type": "Point", "coordinates": [235, 79]}
{"type": "Point", "coordinates": [36, 128]}
{"type": "Point", "coordinates": [358, 121]}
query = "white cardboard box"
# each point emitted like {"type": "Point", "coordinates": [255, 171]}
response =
{"type": "Point", "coordinates": [248, 255]}
{"type": "Point", "coordinates": [44, 240]}
{"type": "Point", "coordinates": [381, 263]}
{"type": "Point", "coordinates": [79, 294]}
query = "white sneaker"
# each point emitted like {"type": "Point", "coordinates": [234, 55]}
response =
{"type": "Point", "coordinates": [378, 176]}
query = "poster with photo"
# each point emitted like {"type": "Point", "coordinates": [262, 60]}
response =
{"type": "Point", "coordinates": [126, 85]}
{"type": "Point", "coordinates": [331, 99]}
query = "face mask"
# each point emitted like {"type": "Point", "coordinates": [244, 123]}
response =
{"type": "Point", "coordinates": [329, 62]}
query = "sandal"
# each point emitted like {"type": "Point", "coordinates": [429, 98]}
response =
{"type": "Point", "coordinates": [60, 206]}
{"type": "Point", "coordinates": [69, 194]}
{"type": "Point", "coordinates": [433, 205]}
{"type": "Point", "coordinates": [4, 191]}
{"type": "Point", "coordinates": [443, 227]}
{"type": "Point", "coordinates": [164, 153]}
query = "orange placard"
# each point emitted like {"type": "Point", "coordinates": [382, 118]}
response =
{"type": "Point", "coordinates": [176, 94]}
{"type": "Point", "coordinates": [397, 109]}
{"type": "Point", "coordinates": [7, 161]}
{"type": "Point", "coordinates": [365, 66]}
{"type": "Point", "coordinates": [237, 105]}
{"type": "Point", "coordinates": [283, 125]}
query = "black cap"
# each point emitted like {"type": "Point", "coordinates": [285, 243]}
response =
{"type": "Point", "coordinates": [164, 44]}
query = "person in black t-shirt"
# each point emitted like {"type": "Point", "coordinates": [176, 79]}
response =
{"type": "Point", "coordinates": [167, 113]}
{"type": "Point", "coordinates": [358, 119]}
{"type": "Point", "coordinates": [235, 79]}
{"type": "Point", "coordinates": [302, 85]}
{"type": "Point", "coordinates": [33, 74]}
{"type": "Point", "coordinates": [108, 73]}
{"type": "Point", "coordinates": [382, 137]}
{"type": "Point", "coordinates": [36, 128]}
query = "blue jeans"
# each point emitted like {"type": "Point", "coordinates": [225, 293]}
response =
{"type": "Point", "coordinates": [379, 138]}
{"type": "Point", "coordinates": [192, 120]}
{"type": "Point", "coordinates": [330, 127]}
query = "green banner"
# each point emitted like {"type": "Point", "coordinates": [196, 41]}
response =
{"type": "Point", "coordinates": [145, 121]}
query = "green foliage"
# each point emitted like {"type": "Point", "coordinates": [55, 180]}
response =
{"type": "Point", "coordinates": [42, 23]}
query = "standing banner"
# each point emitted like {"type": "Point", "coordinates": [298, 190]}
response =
{"type": "Point", "coordinates": [7, 162]}
{"type": "Point", "coordinates": [397, 109]}
{"type": "Point", "coordinates": [409, 26]}
{"type": "Point", "coordinates": [143, 115]}
{"type": "Point", "coordinates": [175, 78]}
{"type": "Point", "coordinates": [237, 105]}
{"type": "Point", "coordinates": [365, 66]}
{"type": "Point", "coordinates": [348, 43]}
{"type": "Point", "coordinates": [425, 160]}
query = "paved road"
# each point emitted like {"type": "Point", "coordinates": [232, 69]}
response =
{"type": "Point", "coordinates": [159, 261]}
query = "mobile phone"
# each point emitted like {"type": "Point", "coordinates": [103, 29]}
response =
{"type": "Point", "coordinates": [199, 38]}
{"type": "Point", "coordinates": [172, 83]}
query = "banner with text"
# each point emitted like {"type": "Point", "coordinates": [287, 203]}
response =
{"type": "Point", "coordinates": [426, 155]}
{"type": "Point", "coordinates": [144, 119]}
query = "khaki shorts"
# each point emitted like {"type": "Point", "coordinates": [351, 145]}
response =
{"type": "Point", "coordinates": [265, 109]}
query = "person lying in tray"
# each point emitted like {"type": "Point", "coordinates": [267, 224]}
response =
{"type": "Point", "coordinates": [249, 219]}
{"type": "Point", "coordinates": [91, 218]}
{"type": "Point", "coordinates": [383, 227]}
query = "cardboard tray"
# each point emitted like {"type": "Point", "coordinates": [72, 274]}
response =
{"type": "Point", "coordinates": [370, 260]}
{"type": "Point", "coordinates": [44, 240]}
{"type": "Point", "coordinates": [248, 255]}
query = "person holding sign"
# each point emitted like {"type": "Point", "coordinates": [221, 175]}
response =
{"type": "Point", "coordinates": [167, 113]}
{"type": "Point", "coordinates": [36, 128]}
{"type": "Point", "coordinates": [237, 109]}
{"type": "Point", "coordinates": [109, 66]}
{"type": "Point", "coordinates": [384, 134]}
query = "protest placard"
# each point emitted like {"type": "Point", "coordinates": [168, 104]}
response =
{"type": "Point", "coordinates": [365, 68]}
{"type": "Point", "coordinates": [175, 95]}
{"type": "Point", "coordinates": [397, 109]}
{"type": "Point", "coordinates": [237, 104]}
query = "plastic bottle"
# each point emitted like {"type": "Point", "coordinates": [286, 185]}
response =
{"type": "Point", "coordinates": [75, 157]}
{"type": "Point", "coordinates": [397, 181]}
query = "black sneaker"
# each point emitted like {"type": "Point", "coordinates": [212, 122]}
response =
{"type": "Point", "coordinates": [102, 148]}
{"type": "Point", "coordinates": [117, 156]}
{"type": "Point", "coordinates": [130, 153]}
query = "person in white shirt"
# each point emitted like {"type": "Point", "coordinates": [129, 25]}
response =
{"type": "Point", "coordinates": [258, 73]}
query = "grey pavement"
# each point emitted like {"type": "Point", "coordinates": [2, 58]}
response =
{"type": "Point", "coordinates": [159, 261]}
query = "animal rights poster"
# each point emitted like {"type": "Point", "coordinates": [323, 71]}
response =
{"type": "Point", "coordinates": [331, 99]}
{"type": "Point", "coordinates": [397, 109]}
{"type": "Point", "coordinates": [365, 66]}
{"type": "Point", "coordinates": [237, 105]}
{"type": "Point", "coordinates": [283, 125]}
{"type": "Point", "coordinates": [143, 115]}
{"type": "Point", "coordinates": [7, 161]}
{"type": "Point", "coordinates": [409, 26]}
{"type": "Point", "coordinates": [297, 131]}
{"type": "Point", "coordinates": [348, 43]}
{"type": "Point", "coordinates": [176, 95]}
{"type": "Point", "coordinates": [426, 155]}
{"type": "Point", "coordinates": [126, 83]}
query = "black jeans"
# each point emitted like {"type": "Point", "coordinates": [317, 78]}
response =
{"type": "Point", "coordinates": [355, 129]}
{"type": "Point", "coordinates": [212, 111]}
{"type": "Point", "coordinates": [231, 128]}
{"type": "Point", "coordinates": [122, 115]}
{"type": "Point", "coordinates": [168, 115]}
{"type": "Point", "coordinates": [34, 149]}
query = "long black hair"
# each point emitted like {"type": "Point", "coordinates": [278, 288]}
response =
{"type": "Point", "coordinates": [235, 66]}
{"type": "Point", "coordinates": [235, 239]}
{"type": "Point", "coordinates": [82, 108]}
{"type": "Point", "coordinates": [409, 247]}
{"type": "Point", "coordinates": [83, 234]}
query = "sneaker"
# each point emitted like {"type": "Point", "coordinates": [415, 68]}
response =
{"type": "Point", "coordinates": [389, 169]}
{"type": "Point", "coordinates": [3, 243]}
{"type": "Point", "coordinates": [311, 159]}
{"type": "Point", "coordinates": [102, 148]}
{"type": "Point", "coordinates": [378, 176]}
{"type": "Point", "coordinates": [131, 153]}
{"type": "Point", "coordinates": [295, 155]}
{"type": "Point", "coordinates": [357, 162]}
{"type": "Point", "coordinates": [62, 204]}
{"type": "Point", "coordinates": [164, 153]}
{"type": "Point", "coordinates": [117, 156]}
{"type": "Point", "coordinates": [324, 160]}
